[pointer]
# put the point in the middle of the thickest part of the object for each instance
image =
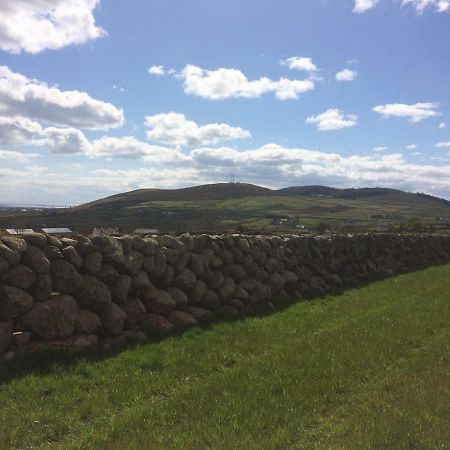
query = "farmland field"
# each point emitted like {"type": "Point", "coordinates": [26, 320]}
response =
{"type": "Point", "coordinates": [365, 369]}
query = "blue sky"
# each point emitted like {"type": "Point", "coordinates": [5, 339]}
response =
{"type": "Point", "coordinates": [100, 97]}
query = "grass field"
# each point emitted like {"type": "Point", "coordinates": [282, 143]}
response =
{"type": "Point", "coordinates": [368, 369]}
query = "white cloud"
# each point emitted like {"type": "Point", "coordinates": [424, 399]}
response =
{"type": "Point", "coordinates": [443, 144]}
{"type": "Point", "coordinates": [65, 141]}
{"type": "Point", "coordinates": [232, 83]}
{"type": "Point", "coordinates": [299, 63]}
{"type": "Point", "coordinates": [17, 156]}
{"type": "Point", "coordinates": [156, 70]}
{"type": "Point", "coordinates": [36, 25]}
{"type": "Point", "coordinates": [379, 149]}
{"type": "Point", "coordinates": [442, 125]}
{"type": "Point", "coordinates": [128, 147]}
{"type": "Point", "coordinates": [346, 75]}
{"type": "Point", "coordinates": [270, 165]}
{"type": "Point", "coordinates": [70, 141]}
{"type": "Point", "coordinates": [414, 113]}
{"type": "Point", "coordinates": [18, 131]}
{"type": "Point", "coordinates": [174, 129]}
{"type": "Point", "coordinates": [362, 6]}
{"type": "Point", "coordinates": [411, 147]}
{"type": "Point", "coordinates": [333, 119]}
{"type": "Point", "coordinates": [421, 5]}
{"type": "Point", "coordinates": [24, 97]}
{"type": "Point", "coordinates": [161, 70]}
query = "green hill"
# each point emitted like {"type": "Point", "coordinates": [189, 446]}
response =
{"type": "Point", "coordinates": [231, 206]}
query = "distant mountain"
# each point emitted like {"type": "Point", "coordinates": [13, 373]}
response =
{"type": "Point", "coordinates": [227, 191]}
{"type": "Point", "coordinates": [234, 206]}
{"type": "Point", "coordinates": [219, 191]}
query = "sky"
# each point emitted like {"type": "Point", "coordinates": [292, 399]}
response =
{"type": "Point", "coordinates": [104, 96]}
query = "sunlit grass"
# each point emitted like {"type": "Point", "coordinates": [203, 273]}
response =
{"type": "Point", "coordinates": [365, 369]}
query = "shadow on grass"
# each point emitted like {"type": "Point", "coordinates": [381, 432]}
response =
{"type": "Point", "coordinates": [45, 363]}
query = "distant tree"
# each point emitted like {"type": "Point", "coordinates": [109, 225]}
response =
{"type": "Point", "coordinates": [321, 228]}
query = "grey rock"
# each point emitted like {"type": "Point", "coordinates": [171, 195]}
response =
{"type": "Point", "coordinates": [43, 287]}
{"type": "Point", "coordinates": [19, 276]}
{"type": "Point", "coordinates": [93, 262]}
{"type": "Point", "coordinates": [87, 322]}
{"type": "Point", "coordinates": [182, 319]}
{"type": "Point", "coordinates": [72, 256]}
{"type": "Point", "coordinates": [36, 239]}
{"type": "Point", "coordinates": [13, 302]}
{"type": "Point", "coordinates": [108, 275]}
{"type": "Point", "coordinates": [172, 243]}
{"type": "Point", "coordinates": [198, 291]}
{"type": "Point", "coordinates": [94, 295]}
{"type": "Point", "coordinates": [66, 279]}
{"type": "Point", "coordinates": [134, 310]}
{"type": "Point", "coordinates": [54, 318]}
{"type": "Point", "coordinates": [112, 319]}
{"type": "Point", "coordinates": [162, 303]}
{"type": "Point", "coordinates": [178, 295]}
{"type": "Point", "coordinates": [16, 244]}
{"type": "Point", "coordinates": [10, 256]}
{"type": "Point", "coordinates": [120, 289]}
{"type": "Point", "coordinates": [36, 259]}
{"type": "Point", "coordinates": [4, 266]}
{"type": "Point", "coordinates": [133, 261]}
{"type": "Point", "coordinates": [209, 301]}
{"type": "Point", "coordinates": [156, 325]}
{"type": "Point", "coordinates": [185, 280]}
{"type": "Point", "coordinates": [73, 344]}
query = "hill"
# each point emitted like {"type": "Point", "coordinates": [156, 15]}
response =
{"type": "Point", "coordinates": [227, 206]}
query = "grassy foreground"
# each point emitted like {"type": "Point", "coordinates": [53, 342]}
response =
{"type": "Point", "coordinates": [369, 369]}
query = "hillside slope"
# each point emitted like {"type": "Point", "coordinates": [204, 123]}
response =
{"type": "Point", "coordinates": [226, 206]}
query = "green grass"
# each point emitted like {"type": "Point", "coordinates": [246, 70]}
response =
{"type": "Point", "coordinates": [368, 369]}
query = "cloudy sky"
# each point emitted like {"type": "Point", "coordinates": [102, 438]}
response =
{"type": "Point", "coordinates": [104, 96]}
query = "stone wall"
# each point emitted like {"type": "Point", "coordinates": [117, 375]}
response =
{"type": "Point", "coordinates": [70, 294]}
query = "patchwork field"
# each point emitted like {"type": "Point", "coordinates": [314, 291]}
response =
{"type": "Point", "coordinates": [366, 369]}
{"type": "Point", "coordinates": [225, 207]}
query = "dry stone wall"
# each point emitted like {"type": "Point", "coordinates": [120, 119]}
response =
{"type": "Point", "coordinates": [75, 293]}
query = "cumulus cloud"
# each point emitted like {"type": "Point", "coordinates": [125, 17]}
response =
{"type": "Point", "coordinates": [270, 165]}
{"type": "Point", "coordinates": [70, 141]}
{"type": "Point", "coordinates": [128, 147]}
{"type": "Point", "coordinates": [24, 97]}
{"type": "Point", "coordinates": [160, 70]}
{"type": "Point", "coordinates": [36, 25]}
{"type": "Point", "coordinates": [333, 119]}
{"type": "Point", "coordinates": [443, 144]}
{"type": "Point", "coordinates": [414, 113]}
{"type": "Point", "coordinates": [346, 75]}
{"type": "Point", "coordinates": [17, 156]}
{"type": "Point", "coordinates": [174, 129]}
{"type": "Point", "coordinates": [411, 147]}
{"type": "Point", "coordinates": [379, 149]}
{"type": "Point", "coordinates": [362, 6]}
{"type": "Point", "coordinates": [18, 131]}
{"type": "Point", "coordinates": [299, 63]}
{"type": "Point", "coordinates": [65, 141]}
{"type": "Point", "coordinates": [232, 83]}
{"type": "Point", "coordinates": [421, 5]}
{"type": "Point", "coordinates": [442, 125]}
